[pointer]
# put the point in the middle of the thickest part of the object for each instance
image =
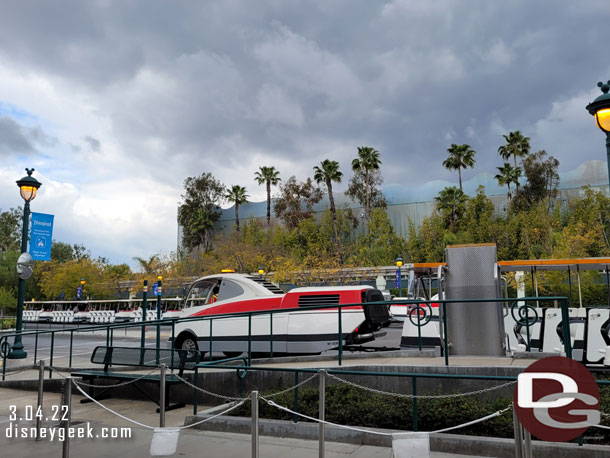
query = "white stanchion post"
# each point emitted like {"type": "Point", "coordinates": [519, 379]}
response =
{"type": "Point", "coordinates": [322, 409]}
{"type": "Point", "coordinates": [162, 397]}
{"type": "Point", "coordinates": [254, 402]}
{"type": "Point", "coordinates": [67, 401]}
{"type": "Point", "coordinates": [40, 393]}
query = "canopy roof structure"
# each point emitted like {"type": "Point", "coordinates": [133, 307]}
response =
{"type": "Point", "coordinates": [555, 264]}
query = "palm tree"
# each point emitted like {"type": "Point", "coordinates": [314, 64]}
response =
{"type": "Point", "coordinates": [150, 265]}
{"type": "Point", "coordinates": [451, 200]}
{"type": "Point", "coordinates": [238, 195]}
{"type": "Point", "coordinates": [368, 160]}
{"type": "Point", "coordinates": [460, 157]}
{"type": "Point", "coordinates": [516, 146]}
{"type": "Point", "coordinates": [270, 176]}
{"type": "Point", "coordinates": [327, 173]}
{"type": "Point", "coordinates": [508, 174]}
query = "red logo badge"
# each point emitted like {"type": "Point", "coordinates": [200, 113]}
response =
{"type": "Point", "coordinates": [556, 399]}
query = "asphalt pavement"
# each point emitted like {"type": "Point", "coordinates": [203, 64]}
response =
{"type": "Point", "coordinates": [84, 342]}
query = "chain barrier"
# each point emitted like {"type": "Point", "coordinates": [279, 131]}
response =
{"type": "Point", "coordinates": [19, 371]}
{"type": "Point", "coordinates": [143, 425]}
{"type": "Point", "coordinates": [220, 396]}
{"type": "Point", "coordinates": [116, 385]}
{"type": "Point", "coordinates": [422, 396]}
{"type": "Point", "coordinates": [293, 387]}
{"type": "Point", "coordinates": [364, 430]}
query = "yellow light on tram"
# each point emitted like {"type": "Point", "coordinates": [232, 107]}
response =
{"type": "Point", "coordinates": [227, 271]}
{"type": "Point", "coordinates": [602, 117]}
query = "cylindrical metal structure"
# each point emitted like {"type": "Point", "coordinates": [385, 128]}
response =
{"type": "Point", "coordinates": [254, 402]}
{"type": "Point", "coordinates": [17, 351]}
{"type": "Point", "coordinates": [162, 397]}
{"type": "Point", "coordinates": [474, 328]}
{"type": "Point", "coordinates": [322, 410]}
{"type": "Point", "coordinates": [40, 394]}
{"type": "Point", "coordinates": [67, 401]}
{"type": "Point", "coordinates": [518, 436]}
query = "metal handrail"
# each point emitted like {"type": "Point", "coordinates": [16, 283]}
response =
{"type": "Point", "coordinates": [111, 327]}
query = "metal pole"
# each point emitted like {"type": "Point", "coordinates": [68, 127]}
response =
{"type": "Point", "coordinates": [295, 403]}
{"type": "Point", "coordinates": [144, 311]}
{"type": "Point", "coordinates": [40, 393]}
{"type": "Point", "coordinates": [608, 153]}
{"type": "Point", "coordinates": [399, 282]}
{"type": "Point", "coordinates": [159, 292]}
{"type": "Point", "coordinates": [527, 446]}
{"type": "Point", "coordinates": [608, 284]}
{"type": "Point", "coordinates": [322, 410]}
{"type": "Point", "coordinates": [254, 401]}
{"type": "Point", "coordinates": [518, 437]}
{"type": "Point", "coordinates": [67, 401]}
{"type": "Point", "coordinates": [565, 326]}
{"type": "Point", "coordinates": [579, 290]}
{"type": "Point", "coordinates": [415, 413]}
{"type": "Point", "coordinates": [570, 283]}
{"type": "Point", "coordinates": [17, 351]}
{"type": "Point", "coordinates": [340, 338]}
{"type": "Point", "coordinates": [445, 334]}
{"type": "Point", "coordinates": [162, 398]}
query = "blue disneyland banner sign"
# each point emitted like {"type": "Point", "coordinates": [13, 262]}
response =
{"type": "Point", "coordinates": [41, 235]}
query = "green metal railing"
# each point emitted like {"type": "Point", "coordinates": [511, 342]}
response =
{"type": "Point", "coordinates": [423, 318]}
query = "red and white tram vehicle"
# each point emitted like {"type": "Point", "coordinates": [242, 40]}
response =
{"type": "Point", "coordinates": [294, 331]}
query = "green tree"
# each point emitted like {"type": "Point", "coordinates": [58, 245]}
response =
{"type": "Point", "coordinates": [380, 244]}
{"type": "Point", "coordinates": [10, 229]}
{"type": "Point", "coordinates": [450, 202]}
{"type": "Point", "coordinates": [327, 173]}
{"type": "Point", "coordinates": [542, 180]}
{"type": "Point", "coordinates": [517, 145]}
{"type": "Point", "coordinates": [270, 177]}
{"type": "Point", "coordinates": [460, 157]}
{"type": "Point", "coordinates": [238, 195]}
{"type": "Point", "coordinates": [199, 210]}
{"type": "Point", "coordinates": [296, 201]}
{"type": "Point", "coordinates": [507, 175]}
{"type": "Point", "coordinates": [366, 179]}
{"type": "Point", "coordinates": [8, 301]}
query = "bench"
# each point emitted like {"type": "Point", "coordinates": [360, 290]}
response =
{"type": "Point", "coordinates": [180, 360]}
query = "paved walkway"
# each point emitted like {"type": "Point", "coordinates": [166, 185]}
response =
{"type": "Point", "coordinates": [191, 442]}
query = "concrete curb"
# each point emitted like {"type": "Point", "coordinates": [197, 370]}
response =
{"type": "Point", "coordinates": [425, 353]}
{"type": "Point", "coordinates": [447, 443]}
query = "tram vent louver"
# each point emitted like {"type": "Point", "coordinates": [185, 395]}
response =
{"type": "Point", "coordinates": [318, 299]}
{"type": "Point", "coordinates": [267, 284]}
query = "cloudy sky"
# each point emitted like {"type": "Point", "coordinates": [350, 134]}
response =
{"type": "Point", "coordinates": [116, 103]}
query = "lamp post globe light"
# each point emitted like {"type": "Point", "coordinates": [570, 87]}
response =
{"type": "Point", "coordinates": [398, 275]}
{"type": "Point", "coordinates": [28, 187]}
{"type": "Point", "coordinates": [600, 108]}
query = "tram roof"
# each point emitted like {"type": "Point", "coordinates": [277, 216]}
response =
{"type": "Point", "coordinates": [555, 264]}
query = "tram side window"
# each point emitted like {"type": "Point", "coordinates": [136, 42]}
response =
{"type": "Point", "coordinates": [199, 293]}
{"type": "Point", "coordinates": [229, 289]}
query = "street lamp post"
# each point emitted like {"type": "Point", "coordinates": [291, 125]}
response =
{"type": "Point", "coordinates": [28, 186]}
{"type": "Point", "coordinates": [399, 275]}
{"type": "Point", "coordinates": [600, 108]}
